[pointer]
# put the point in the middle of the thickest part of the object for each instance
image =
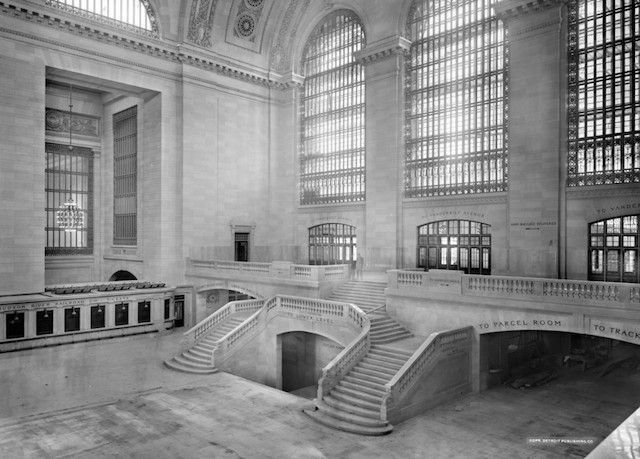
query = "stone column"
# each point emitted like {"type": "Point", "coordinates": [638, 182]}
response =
{"type": "Point", "coordinates": [85, 317]}
{"type": "Point", "coordinates": [109, 315]}
{"type": "Point", "coordinates": [536, 79]}
{"type": "Point", "coordinates": [384, 80]}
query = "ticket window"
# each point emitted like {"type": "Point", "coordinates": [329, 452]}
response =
{"type": "Point", "coordinates": [97, 316]}
{"type": "Point", "coordinates": [122, 314]}
{"type": "Point", "coordinates": [71, 319]}
{"type": "Point", "coordinates": [44, 322]}
{"type": "Point", "coordinates": [14, 322]}
{"type": "Point", "coordinates": [144, 312]}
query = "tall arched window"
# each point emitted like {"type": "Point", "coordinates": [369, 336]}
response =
{"type": "Point", "coordinates": [456, 104]}
{"type": "Point", "coordinates": [332, 244]}
{"type": "Point", "coordinates": [332, 113]}
{"type": "Point", "coordinates": [130, 13]}
{"type": "Point", "coordinates": [455, 244]}
{"type": "Point", "coordinates": [604, 92]}
{"type": "Point", "coordinates": [613, 249]}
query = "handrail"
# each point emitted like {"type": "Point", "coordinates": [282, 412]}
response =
{"type": "Point", "coordinates": [376, 309]}
{"type": "Point", "coordinates": [423, 359]}
{"type": "Point", "coordinates": [344, 312]}
{"type": "Point", "coordinates": [199, 331]}
{"type": "Point", "coordinates": [278, 269]}
{"type": "Point", "coordinates": [553, 290]}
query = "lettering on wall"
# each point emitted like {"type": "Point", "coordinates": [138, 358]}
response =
{"type": "Point", "coordinates": [518, 324]}
{"type": "Point", "coordinates": [623, 332]}
{"type": "Point", "coordinates": [465, 214]}
{"type": "Point", "coordinates": [307, 317]}
{"type": "Point", "coordinates": [613, 210]}
{"type": "Point", "coordinates": [534, 225]}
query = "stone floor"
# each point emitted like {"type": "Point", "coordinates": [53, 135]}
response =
{"type": "Point", "coordinates": [113, 398]}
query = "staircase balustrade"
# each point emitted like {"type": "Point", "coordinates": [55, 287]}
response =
{"type": "Point", "coordinates": [323, 309]}
{"type": "Point", "coordinates": [437, 346]}
{"type": "Point", "coordinates": [552, 290]}
{"type": "Point", "coordinates": [277, 269]}
{"type": "Point", "coordinates": [199, 331]}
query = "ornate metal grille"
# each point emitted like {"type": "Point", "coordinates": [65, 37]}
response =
{"type": "Point", "coordinates": [456, 99]}
{"type": "Point", "coordinates": [68, 175]}
{"type": "Point", "coordinates": [455, 244]}
{"type": "Point", "coordinates": [125, 176]}
{"type": "Point", "coordinates": [332, 243]}
{"type": "Point", "coordinates": [604, 93]}
{"type": "Point", "coordinates": [332, 113]}
{"type": "Point", "coordinates": [614, 245]}
{"type": "Point", "coordinates": [136, 15]}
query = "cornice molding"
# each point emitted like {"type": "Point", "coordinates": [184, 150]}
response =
{"type": "Point", "coordinates": [151, 47]}
{"type": "Point", "coordinates": [382, 49]}
{"type": "Point", "coordinates": [507, 9]}
{"type": "Point", "coordinates": [603, 191]}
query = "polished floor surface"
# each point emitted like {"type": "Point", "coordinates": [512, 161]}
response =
{"type": "Point", "coordinates": [114, 398]}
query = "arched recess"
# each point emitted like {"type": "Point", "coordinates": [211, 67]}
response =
{"type": "Point", "coordinates": [455, 244]}
{"type": "Point", "coordinates": [332, 243]}
{"type": "Point", "coordinates": [122, 275]}
{"type": "Point", "coordinates": [614, 246]}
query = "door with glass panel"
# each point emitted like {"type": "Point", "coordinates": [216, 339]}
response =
{"type": "Point", "coordinates": [332, 244]}
{"type": "Point", "coordinates": [455, 244]}
{"type": "Point", "coordinates": [613, 249]}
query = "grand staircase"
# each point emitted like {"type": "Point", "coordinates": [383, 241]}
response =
{"type": "Point", "coordinates": [369, 296]}
{"type": "Point", "coordinates": [354, 404]}
{"type": "Point", "coordinates": [198, 358]}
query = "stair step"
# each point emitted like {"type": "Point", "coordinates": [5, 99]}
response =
{"type": "Point", "coordinates": [399, 361]}
{"type": "Point", "coordinates": [351, 408]}
{"type": "Point", "coordinates": [375, 375]}
{"type": "Point", "coordinates": [351, 417]}
{"type": "Point", "coordinates": [363, 390]}
{"type": "Point", "coordinates": [388, 372]}
{"type": "Point", "coordinates": [200, 352]}
{"type": "Point", "coordinates": [190, 355]}
{"type": "Point", "coordinates": [329, 421]}
{"type": "Point", "coordinates": [375, 328]}
{"type": "Point", "coordinates": [374, 386]}
{"type": "Point", "coordinates": [391, 367]}
{"type": "Point", "coordinates": [393, 353]}
{"type": "Point", "coordinates": [343, 389]}
{"type": "Point", "coordinates": [391, 339]}
{"type": "Point", "coordinates": [185, 369]}
{"type": "Point", "coordinates": [344, 397]}
{"type": "Point", "coordinates": [382, 320]}
{"type": "Point", "coordinates": [190, 363]}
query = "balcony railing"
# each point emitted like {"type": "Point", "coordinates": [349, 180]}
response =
{"type": "Point", "coordinates": [523, 288]}
{"type": "Point", "coordinates": [276, 269]}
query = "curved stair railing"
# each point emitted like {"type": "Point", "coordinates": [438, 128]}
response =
{"type": "Point", "coordinates": [316, 308]}
{"type": "Point", "coordinates": [436, 347]}
{"type": "Point", "coordinates": [342, 363]}
{"type": "Point", "coordinates": [199, 331]}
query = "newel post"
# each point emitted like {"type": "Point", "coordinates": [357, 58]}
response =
{"type": "Point", "coordinates": [392, 278]}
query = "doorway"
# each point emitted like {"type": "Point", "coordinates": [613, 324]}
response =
{"type": "Point", "coordinates": [178, 307]}
{"type": "Point", "coordinates": [241, 241]}
{"type": "Point", "coordinates": [298, 362]}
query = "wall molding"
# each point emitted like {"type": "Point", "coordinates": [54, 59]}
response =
{"type": "Point", "coordinates": [152, 47]}
{"type": "Point", "coordinates": [507, 9]}
{"type": "Point", "coordinates": [456, 200]}
{"type": "Point", "coordinates": [383, 49]}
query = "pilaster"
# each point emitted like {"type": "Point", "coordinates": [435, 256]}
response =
{"type": "Point", "coordinates": [384, 79]}
{"type": "Point", "coordinates": [537, 65]}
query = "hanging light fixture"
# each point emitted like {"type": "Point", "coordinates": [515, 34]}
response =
{"type": "Point", "coordinates": [69, 217]}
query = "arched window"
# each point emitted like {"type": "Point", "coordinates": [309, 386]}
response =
{"type": "Point", "coordinates": [332, 243]}
{"type": "Point", "coordinates": [332, 113]}
{"type": "Point", "coordinates": [130, 13]}
{"type": "Point", "coordinates": [604, 92]}
{"type": "Point", "coordinates": [456, 97]}
{"type": "Point", "coordinates": [455, 244]}
{"type": "Point", "coordinates": [613, 249]}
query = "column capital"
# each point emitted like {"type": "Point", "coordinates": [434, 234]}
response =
{"type": "Point", "coordinates": [383, 49]}
{"type": "Point", "coordinates": [507, 9]}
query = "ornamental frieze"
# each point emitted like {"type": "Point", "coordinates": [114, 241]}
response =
{"type": "Point", "coordinates": [58, 121]}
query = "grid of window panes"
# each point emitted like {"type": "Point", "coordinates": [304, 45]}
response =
{"type": "Point", "coordinates": [68, 175]}
{"type": "Point", "coordinates": [604, 92]}
{"type": "Point", "coordinates": [332, 113]}
{"type": "Point", "coordinates": [125, 176]}
{"type": "Point", "coordinates": [133, 13]}
{"type": "Point", "coordinates": [614, 245]}
{"type": "Point", "coordinates": [456, 99]}
{"type": "Point", "coordinates": [455, 244]}
{"type": "Point", "coordinates": [332, 243]}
